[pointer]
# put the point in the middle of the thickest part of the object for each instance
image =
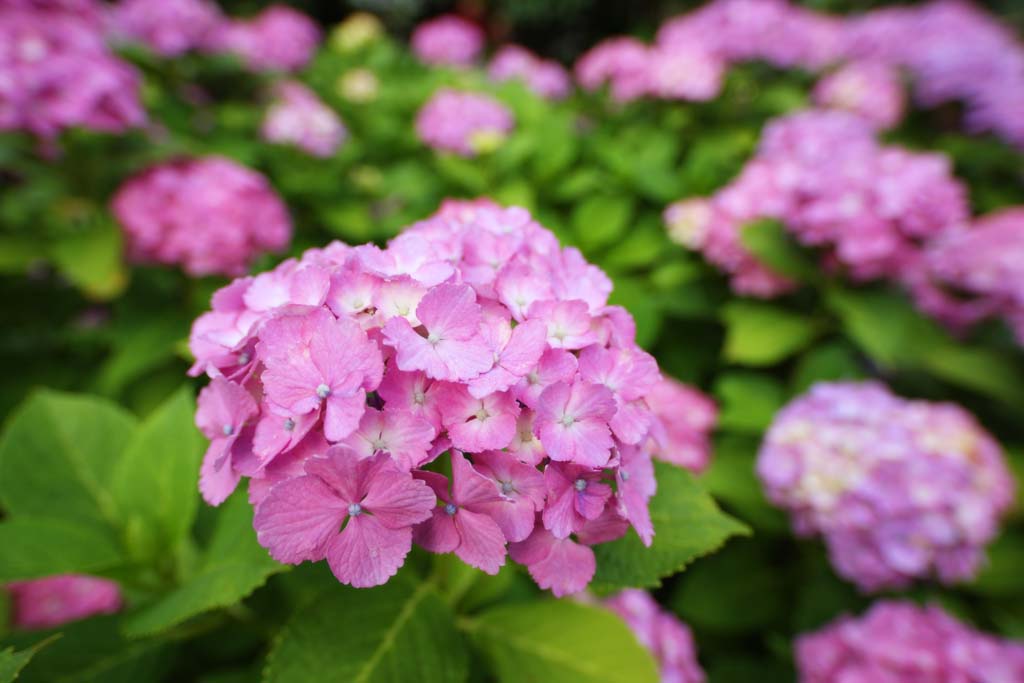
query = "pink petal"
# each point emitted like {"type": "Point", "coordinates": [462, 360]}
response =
{"type": "Point", "coordinates": [397, 500]}
{"type": "Point", "coordinates": [438, 534]}
{"type": "Point", "coordinates": [561, 565]}
{"type": "Point", "coordinates": [367, 553]}
{"type": "Point", "coordinates": [632, 421]}
{"type": "Point", "coordinates": [450, 311]}
{"type": "Point", "coordinates": [223, 406]}
{"type": "Point", "coordinates": [342, 414]}
{"type": "Point", "coordinates": [524, 349]}
{"type": "Point", "coordinates": [216, 483]}
{"type": "Point", "coordinates": [516, 518]}
{"type": "Point", "coordinates": [469, 487]}
{"type": "Point", "coordinates": [297, 520]}
{"type": "Point", "coordinates": [560, 516]}
{"type": "Point", "coordinates": [482, 545]}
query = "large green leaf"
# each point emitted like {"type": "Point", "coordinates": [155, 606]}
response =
{"type": "Point", "coordinates": [92, 259]}
{"type": "Point", "coordinates": [601, 220]}
{"type": "Point", "coordinates": [11, 662]}
{"type": "Point", "coordinates": [231, 568]}
{"type": "Point", "coordinates": [748, 400]}
{"type": "Point", "coordinates": [36, 546]}
{"type": "Point", "coordinates": [764, 334]}
{"type": "Point", "coordinates": [560, 642]}
{"type": "Point", "coordinates": [155, 482]}
{"type": "Point", "coordinates": [57, 457]}
{"type": "Point", "coordinates": [687, 525]}
{"type": "Point", "coordinates": [401, 632]}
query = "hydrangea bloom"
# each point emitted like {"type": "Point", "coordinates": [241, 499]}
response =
{"type": "Point", "coordinates": [57, 73]}
{"type": "Point", "coordinates": [169, 27]}
{"type": "Point", "coordinates": [899, 489]}
{"type": "Point", "coordinates": [472, 340]}
{"type": "Point", "coordinates": [298, 117]}
{"type": "Point", "coordinates": [983, 265]}
{"type": "Point", "coordinates": [545, 77]}
{"type": "Point", "coordinates": [56, 600]}
{"type": "Point", "coordinates": [447, 40]}
{"type": "Point", "coordinates": [463, 122]}
{"type": "Point", "coordinates": [277, 39]}
{"type": "Point", "coordinates": [872, 90]}
{"type": "Point", "coordinates": [668, 639]}
{"type": "Point", "coordinates": [900, 642]}
{"type": "Point", "coordinates": [871, 209]}
{"type": "Point", "coordinates": [684, 418]}
{"type": "Point", "coordinates": [209, 215]}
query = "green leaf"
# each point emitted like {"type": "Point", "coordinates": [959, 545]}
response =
{"type": "Point", "coordinates": [11, 662]}
{"type": "Point", "coordinates": [748, 400]}
{"type": "Point", "coordinates": [731, 478]}
{"type": "Point", "coordinates": [560, 642]}
{"type": "Point", "coordinates": [36, 546]}
{"type": "Point", "coordinates": [141, 346]}
{"type": "Point", "coordinates": [826, 363]}
{"type": "Point", "coordinates": [232, 567]}
{"type": "Point", "coordinates": [57, 457]}
{"type": "Point", "coordinates": [92, 260]}
{"type": "Point", "coordinates": [764, 334]}
{"type": "Point", "coordinates": [601, 220]}
{"type": "Point", "coordinates": [1001, 574]}
{"type": "Point", "coordinates": [155, 482]}
{"type": "Point", "coordinates": [982, 370]}
{"type": "Point", "coordinates": [401, 632]}
{"type": "Point", "coordinates": [885, 326]}
{"type": "Point", "coordinates": [687, 525]}
{"type": "Point", "coordinates": [772, 245]}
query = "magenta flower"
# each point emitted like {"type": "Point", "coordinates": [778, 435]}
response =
{"type": "Point", "coordinates": [463, 123]}
{"type": "Point", "coordinates": [554, 366]}
{"type": "Point", "coordinates": [522, 492]}
{"type": "Point", "coordinates": [375, 501]}
{"type": "Point", "coordinates": [413, 392]}
{"type": "Point", "coordinates": [478, 424]}
{"type": "Point", "coordinates": [447, 40]}
{"type": "Point", "coordinates": [57, 600]}
{"type": "Point", "coordinates": [545, 77]}
{"type": "Point", "coordinates": [460, 522]}
{"type": "Point", "coordinates": [669, 640]}
{"type": "Point", "coordinates": [279, 38]}
{"type": "Point", "coordinates": [170, 27]}
{"type": "Point", "coordinates": [567, 322]}
{"type": "Point", "coordinates": [872, 90]}
{"type": "Point", "coordinates": [298, 117]}
{"type": "Point", "coordinates": [572, 422]}
{"type": "Point", "coordinates": [560, 565]}
{"type": "Point", "coordinates": [516, 351]}
{"type": "Point", "coordinates": [683, 420]}
{"type": "Point", "coordinates": [406, 437]}
{"type": "Point", "coordinates": [451, 348]}
{"type": "Point", "coordinates": [635, 485]}
{"type": "Point", "coordinates": [224, 410]}
{"type": "Point", "coordinates": [316, 362]}
{"type": "Point", "coordinates": [575, 495]}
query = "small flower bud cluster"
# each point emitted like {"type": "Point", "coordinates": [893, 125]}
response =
{"type": "Point", "coordinates": [57, 73]}
{"type": "Point", "coordinates": [468, 388]}
{"type": "Point", "coordinates": [668, 639]}
{"type": "Point", "coordinates": [211, 216]}
{"type": "Point", "coordinates": [900, 642]}
{"type": "Point", "coordinates": [447, 40]}
{"type": "Point", "coordinates": [899, 489]}
{"type": "Point", "coordinates": [870, 89]}
{"type": "Point", "coordinates": [279, 38]}
{"type": "Point", "coordinates": [464, 123]}
{"type": "Point", "coordinates": [545, 77]}
{"type": "Point", "coordinates": [975, 273]}
{"type": "Point", "coordinates": [298, 117]}
{"type": "Point", "coordinates": [57, 600]}
{"type": "Point", "coordinates": [168, 27]}
{"type": "Point", "coordinates": [870, 208]}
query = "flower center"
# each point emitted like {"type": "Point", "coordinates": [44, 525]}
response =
{"type": "Point", "coordinates": [323, 391]}
{"type": "Point", "coordinates": [289, 424]}
{"type": "Point", "coordinates": [243, 358]}
{"type": "Point", "coordinates": [433, 338]}
{"type": "Point", "coordinates": [418, 397]}
{"type": "Point", "coordinates": [567, 420]}
{"type": "Point", "coordinates": [450, 509]}
{"type": "Point", "coordinates": [580, 484]}
{"type": "Point", "coordinates": [355, 509]}
{"type": "Point", "coordinates": [228, 430]}
{"type": "Point", "coordinates": [624, 475]}
{"type": "Point", "coordinates": [508, 488]}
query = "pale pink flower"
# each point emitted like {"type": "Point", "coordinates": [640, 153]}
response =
{"type": "Point", "coordinates": [279, 38]}
{"type": "Point", "coordinates": [464, 123]}
{"type": "Point", "coordinates": [404, 436]}
{"type": "Point", "coordinates": [544, 77]}
{"type": "Point", "coordinates": [522, 490]}
{"type": "Point", "coordinates": [572, 422]}
{"type": "Point", "coordinates": [224, 410]}
{"type": "Point", "coordinates": [683, 420]}
{"type": "Point", "coordinates": [447, 40]}
{"type": "Point", "coordinates": [168, 27]}
{"type": "Point", "coordinates": [559, 564]}
{"type": "Point", "coordinates": [478, 424]}
{"type": "Point", "coordinates": [298, 117]}
{"type": "Point", "coordinates": [516, 351]}
{"type": "Point", "coordinates": [56, 600]}
{"type": "Point", "coordinates": [575, 494]}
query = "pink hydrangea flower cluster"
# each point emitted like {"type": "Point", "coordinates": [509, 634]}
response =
{"type": "Point", "coordinates": [872, 90]}
{"type": "Point", "coordinates": [447, 40]}
{"type": "Point", "coordinates": [900, 642]}
{"type": "Point", "coordinates": [975, 273]}
{"type": "Point", "coordinates": [899, 489]}
{"type": "Point", "coordinates": [545, 77]}
{"type": "Point", "coordinates": [56, 600]}
{"type": "Point", "coordinates": [298, 117]}
{"type": "Point", "coordinates": [953, 51]}
{"type": "Point", "coordinates": [668, 639]}
{"type": "Point", "coordinates": [211, 216]}
{"type": "Point", "coordinates": [871, 209]}
{"type": "Point", "coordinates": [344, 383]}
{"type": "Point", "coordinates": [168, 27]}
{"type": "Point", "coordinates": [686, 417]}
{"type": "Point", "coordinates": [465, 123]}
{"type": "Point", "coordinates": [279, 38]}
{"type": "Point", "coordinates": [56, 71]}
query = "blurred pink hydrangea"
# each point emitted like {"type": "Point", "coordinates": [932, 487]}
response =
{"type": "Point", "coordinates": [56, 72]}
{"type": "Point", "coordinates": [57, 600]}
{"type": "Point", "coordinates": [168, 27]}
{"type": "Point", "coordinates": [465, 123]}
{"type": "Point", "coordinates": [668, 639]}
{"type": "Point", "coordinates": [975, 273]}
{"type": "Point", "coordinates": [899, 489]}
{"type": "Point", "coordinates": [339, 377]}
{"type": "Point", "coordinates": [900, 642]}
{"type": "Point", "coordinates": [544, 77]}
{"type": "Point", "coordinates": [869, 89]}
{"type": "Point", "coordinates": [279, 38]}
{"type": "Point", "coordinates": [447, 40]}
{"type": "Point", "coordinates": [211, 216]}
{"type": "Point", "coordinates": [684, 418]}
{"type": "Point", "coordinates": [298, 117]}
